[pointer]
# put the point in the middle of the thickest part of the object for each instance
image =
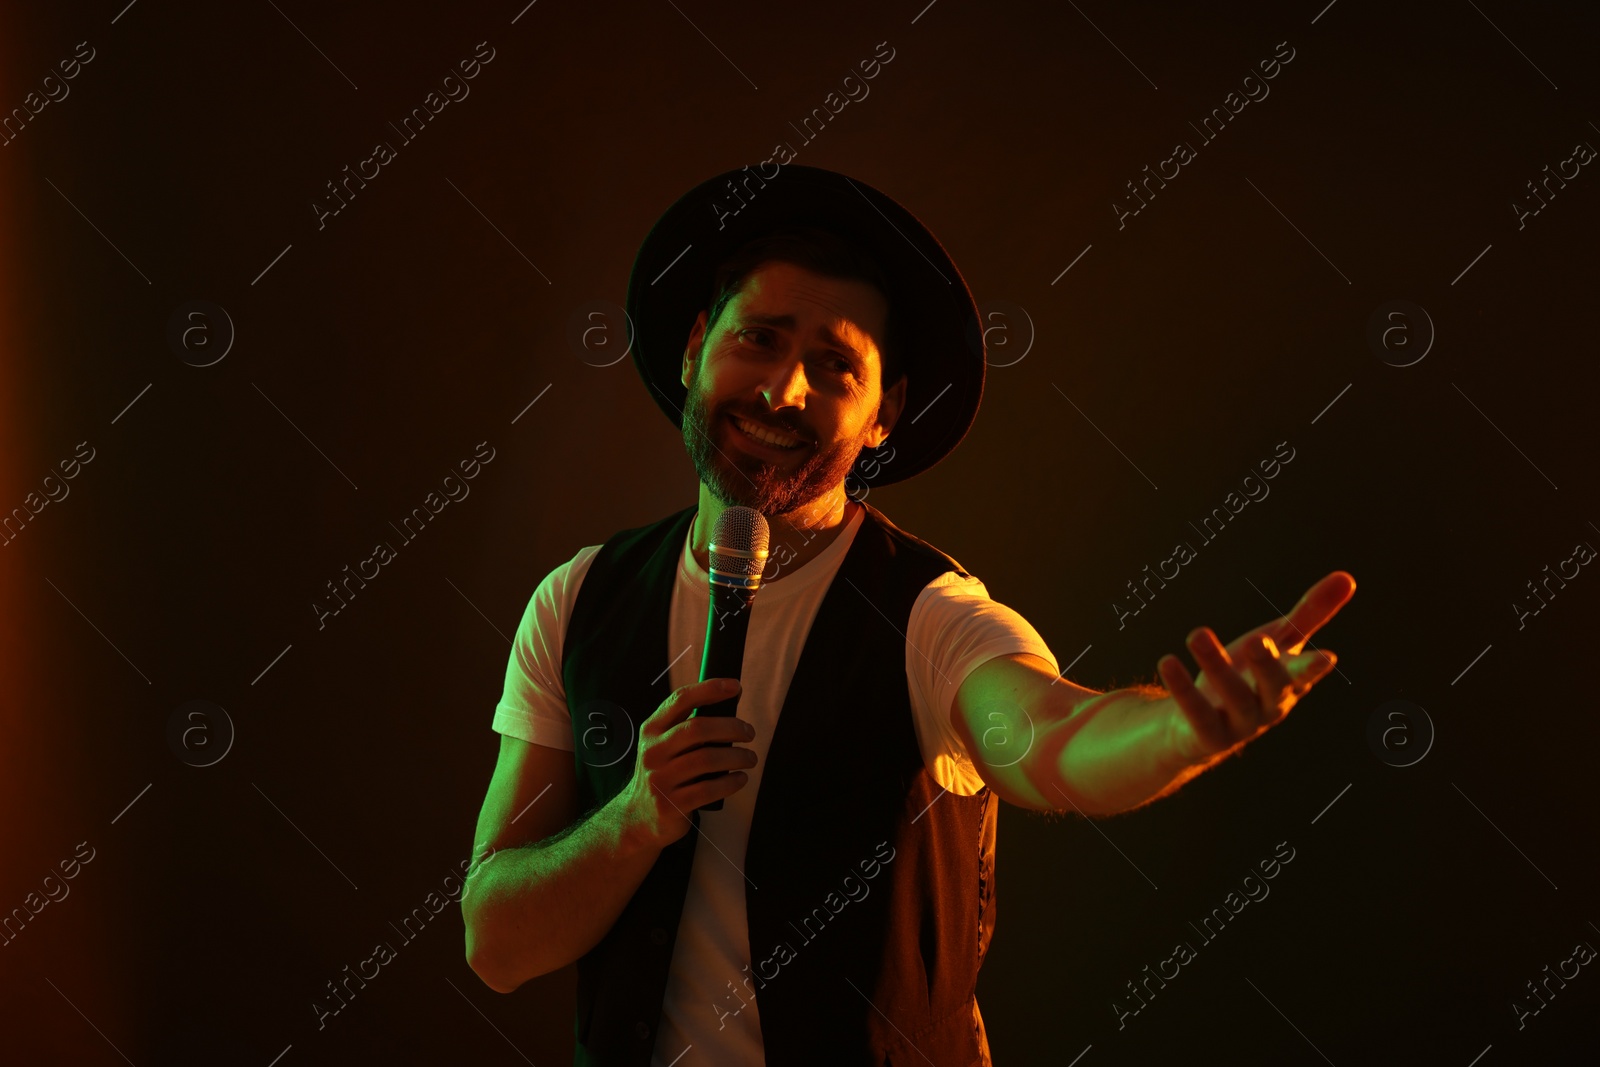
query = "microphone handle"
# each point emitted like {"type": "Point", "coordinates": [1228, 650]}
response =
{"type": "Point", "coordinates": [727, 623]}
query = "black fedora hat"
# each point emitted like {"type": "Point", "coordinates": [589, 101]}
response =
{"type": "Point", "coordinates": [938, 326]}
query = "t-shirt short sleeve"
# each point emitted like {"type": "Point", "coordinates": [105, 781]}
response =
{"type": "Point", "coordinates": [953, 628]}
{"type": "Point", "coordinates": [533, 705]}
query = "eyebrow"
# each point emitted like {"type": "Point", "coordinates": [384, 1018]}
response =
{"type": "Point", "coordinates": [787, 322]}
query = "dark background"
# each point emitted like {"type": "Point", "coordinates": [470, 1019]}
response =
{"type": "Point", "coordinates": [424, 318]}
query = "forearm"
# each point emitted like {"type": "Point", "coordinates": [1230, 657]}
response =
{"type": "Point", "coordinates": [1124, 752]}
{"type": "Point", "coordinates": [534, 909]}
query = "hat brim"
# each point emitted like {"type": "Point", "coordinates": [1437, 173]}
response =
{"type": "Point", "coordinates": [941, 336]}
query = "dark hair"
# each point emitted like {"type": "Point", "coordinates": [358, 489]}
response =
{"type": "Point", "coordinates": [821, 252]}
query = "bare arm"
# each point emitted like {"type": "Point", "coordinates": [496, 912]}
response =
{"type": "Point", "coordinates": [1044, 743]}
{"type": "Point", "coordinates": [546, 885]}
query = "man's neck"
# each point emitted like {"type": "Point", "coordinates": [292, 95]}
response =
{"type": "Point", "coordinates": [796, 537]}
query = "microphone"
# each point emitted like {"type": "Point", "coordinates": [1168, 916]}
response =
{"type": "Point", "coordinates": [738, 556]}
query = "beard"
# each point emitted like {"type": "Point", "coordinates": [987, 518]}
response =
{"type": "Point", "coordinates": [739, 479]}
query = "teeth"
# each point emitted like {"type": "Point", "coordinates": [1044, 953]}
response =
{"type": "Point", "coordinates": [761, 433]}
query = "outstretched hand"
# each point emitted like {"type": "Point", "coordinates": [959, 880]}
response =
{"type": "Point", "coordinates": [1255, 679]}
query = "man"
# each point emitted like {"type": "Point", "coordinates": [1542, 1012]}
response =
{"type": "Point", "coordinates": [837, 908]}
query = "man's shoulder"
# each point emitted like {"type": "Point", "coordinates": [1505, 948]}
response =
{"type": "Point", "coordinates": [905, 540]}
{"type": "Point", "coordinates": [629, 547]}
{"type": "Point", "coordinates": [651, 530]}
{"type": "Point", "coordinates": [629, 555]}
{"type": "Point", "coordinates": [559, 585]}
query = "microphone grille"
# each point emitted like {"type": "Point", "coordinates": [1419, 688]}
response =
{"type": "Point", "coordinates": [739, 542]}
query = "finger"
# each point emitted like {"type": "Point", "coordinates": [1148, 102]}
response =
{"type": "Point", "coordinates": [676, 708]}
{"type": "Point", "coordinates": [1309, 668]}
{"type": "Point", "coordinates": [1208, 723]}
{"type": "Point", "coordinates": [1236, 647]}
{"type": "Point", "coordinates": [698, 794]}
{"type": "Point", "coordinates": [710, 730]}
{"type": "Point", "coordinates": [1235, 692]}
{"type": "Point", "coordinates": [1276, 690]}
{"type": "Point", "coordinates": [1319, 604]}
{"type": "Point", "coordinates": [707, 761]}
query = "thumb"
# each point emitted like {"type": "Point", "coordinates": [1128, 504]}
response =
{"type": "Point", "coordinates": [1309, 668]}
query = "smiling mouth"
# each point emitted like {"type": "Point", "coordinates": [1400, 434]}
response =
{"type": "Point", "coordinates": [776, 439]}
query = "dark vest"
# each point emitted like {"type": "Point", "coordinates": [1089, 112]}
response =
{"type": "Point", "coordinates": [874, 888]}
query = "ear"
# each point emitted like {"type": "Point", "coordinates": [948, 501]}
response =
{"type": "Point", "coordinates": [889, 409]}
{"type": "Point", "coordinates": [691, 351]}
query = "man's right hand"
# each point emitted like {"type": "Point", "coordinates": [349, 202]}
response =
{"type": "Point", "coordinates": [656, 805]}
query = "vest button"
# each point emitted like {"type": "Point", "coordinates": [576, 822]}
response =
{"type": "Point", "coordinates": [658, 935]}
{"type": "Point", "coordinates": [641, 1029]}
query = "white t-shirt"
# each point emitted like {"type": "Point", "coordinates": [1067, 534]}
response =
{"type": "Point", "coordinates": [953, 627]}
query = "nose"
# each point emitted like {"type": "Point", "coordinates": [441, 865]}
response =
{"type": "Point", "coordinates": [787, 387]}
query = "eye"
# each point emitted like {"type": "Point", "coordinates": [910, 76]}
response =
{"type": "Point", "coordinates": [756, 330]}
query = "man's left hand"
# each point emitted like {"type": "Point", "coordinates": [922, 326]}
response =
{"type": "Point", "coordinates": [1254, 682]}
